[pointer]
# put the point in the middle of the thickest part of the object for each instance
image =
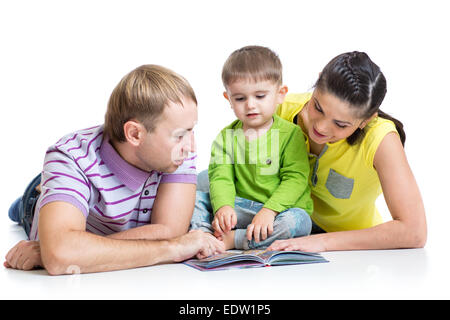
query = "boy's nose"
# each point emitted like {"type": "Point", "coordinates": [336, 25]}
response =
{"type": "Point", "coordinates": [251, 104]}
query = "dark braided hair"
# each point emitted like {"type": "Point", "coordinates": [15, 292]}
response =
{"type": "Point", "coordinates": [354, 78]}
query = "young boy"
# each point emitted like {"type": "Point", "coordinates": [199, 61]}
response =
{"type": "Point", "coordinates": [259, 168]}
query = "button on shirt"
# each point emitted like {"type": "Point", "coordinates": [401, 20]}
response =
{"type": "Point", "coordinates": [84, 170]}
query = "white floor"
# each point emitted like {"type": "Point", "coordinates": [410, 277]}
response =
{"type": "Point", "coordinates": [380, 274]}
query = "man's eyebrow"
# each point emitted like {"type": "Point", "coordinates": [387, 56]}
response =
{"type": "Point", "coordinates": [183, 130]}
{"type": "Point", "coordinates": [340, 121]}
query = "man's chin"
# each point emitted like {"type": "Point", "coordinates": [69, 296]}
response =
{"type": "Point", "coordinates": [170, 169]}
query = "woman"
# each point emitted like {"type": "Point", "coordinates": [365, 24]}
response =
{"type": "Point", "coordinates": [356, 152]}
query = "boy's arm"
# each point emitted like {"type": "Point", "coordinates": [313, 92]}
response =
{"type": "Point", "coordinates": [221, 172]}
{"type": "Point", "coordinates": [294, 173]}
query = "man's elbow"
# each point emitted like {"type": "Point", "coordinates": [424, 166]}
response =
{"type": "Point", "coordinates": [57, 262]}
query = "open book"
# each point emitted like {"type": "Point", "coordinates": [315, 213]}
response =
{"type": "Point", "coordinates": [254, 258]}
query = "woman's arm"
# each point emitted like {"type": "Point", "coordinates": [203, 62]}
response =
{"type": "Point", "coordinates": [408, 228]}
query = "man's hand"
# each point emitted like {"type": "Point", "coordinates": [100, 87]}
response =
{"type": "Point", "coordinates": [25, 255]}
{"type": "Point", "coordinates": [224, 220]}
{"type": "Point", "coordinates": [262, 225]}
{"type": "Point", "coordinates": [196, 243]}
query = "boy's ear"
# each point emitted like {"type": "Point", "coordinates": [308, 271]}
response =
{"type": "Point", "coordinates": [282, 94]}
{"type": "Point", "coordinates": [134, 132]}
{"type": "Point", "coordinates": [283, 90]}
{"type": "Point", "coordinates": [225, 94]}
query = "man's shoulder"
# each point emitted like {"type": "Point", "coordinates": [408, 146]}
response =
{"type": "Point", "coordinates": [79, 148]}
{"type": "Point", "coordinates": [81, 140]}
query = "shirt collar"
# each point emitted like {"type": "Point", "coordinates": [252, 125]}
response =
{"type": "Point", "coordinates": [128, 174]}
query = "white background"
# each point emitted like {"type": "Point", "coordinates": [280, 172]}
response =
{"type": "Point", "coordinates": [60, 60]}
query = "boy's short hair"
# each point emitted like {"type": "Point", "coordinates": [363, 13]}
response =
{"type": "Point", "coordinates": [254, 62]}
{"type": "Point", "coordinates": [142, 95]}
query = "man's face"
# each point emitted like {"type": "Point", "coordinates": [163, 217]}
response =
{"type": "Point", "coordinates": [168, 145]}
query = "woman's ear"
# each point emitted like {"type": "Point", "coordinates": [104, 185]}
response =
{"type": "Point", "coordinates": [365, 122]}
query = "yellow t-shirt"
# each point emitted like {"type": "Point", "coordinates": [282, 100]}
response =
{"type": "Point", "coordinates": [344, 183]}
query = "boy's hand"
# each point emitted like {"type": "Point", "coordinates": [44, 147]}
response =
{"type": "Point", "coordinates": [262, 225]}
{"type": "Point", "coordinates": [225, 219]}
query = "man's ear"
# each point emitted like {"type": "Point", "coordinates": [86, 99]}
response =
{"type": "Point", "coordinates": [134, 132]}
{"type": "Point", "coordinates": [365, 122]}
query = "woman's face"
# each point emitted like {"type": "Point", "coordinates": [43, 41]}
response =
{"type": "Point", "coordinates": [329, 119]}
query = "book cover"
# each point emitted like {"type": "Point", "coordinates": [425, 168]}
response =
{"type": "Point", "coordinates": [254, 258]}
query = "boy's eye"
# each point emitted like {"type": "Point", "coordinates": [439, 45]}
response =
{"type": "Point", "coordinates": [240, 99]}
{"type": "Point", "coordinates": [260, 96]}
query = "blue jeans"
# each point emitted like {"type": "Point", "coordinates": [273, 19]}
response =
{"type": "Point", "coordinates": [292, 223]}
{"type": "Point", "coordinates": [22, 209]}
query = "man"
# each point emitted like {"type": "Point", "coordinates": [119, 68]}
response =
{"type": "Point", "coordinates": [120, 195]}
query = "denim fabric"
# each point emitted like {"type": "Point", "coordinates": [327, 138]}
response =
{"type": "Point", "coordinates": [22, 209]}
{"type": "Point", "coordinates": [294, 222]}
{"type": "Point", "coordinates": [203, 181]}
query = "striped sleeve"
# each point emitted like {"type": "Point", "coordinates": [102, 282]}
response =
{"type": "Point", "coordinates": [63, 180]}
{"type": "Point", "coordinates": [186, 173]}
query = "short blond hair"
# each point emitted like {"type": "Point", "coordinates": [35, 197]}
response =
{"type": "Point", "coordinates": [252, 62]}
{"type": "Point", "coordinates": [142, 95]}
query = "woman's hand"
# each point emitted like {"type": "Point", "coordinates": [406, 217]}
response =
{"type": "Point", "coordinates": [314, 243]}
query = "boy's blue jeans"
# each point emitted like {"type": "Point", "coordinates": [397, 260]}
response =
{"type": "Point", "coordinates": [292, 223]}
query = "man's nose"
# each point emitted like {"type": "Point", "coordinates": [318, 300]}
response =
{"type": "Point", "coordinates": [189, 143]}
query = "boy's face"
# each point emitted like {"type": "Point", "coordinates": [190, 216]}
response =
{"type": "Point", "coordinates": [254, 102]}
{"type": "Point", "coordinates": [168, 145]}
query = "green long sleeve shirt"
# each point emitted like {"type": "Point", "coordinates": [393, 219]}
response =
{"type": "Point", "coordinates": [272, 169]}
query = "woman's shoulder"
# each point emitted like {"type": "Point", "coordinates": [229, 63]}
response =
{"type": "Point", "coordinates": [292, 105]}
{"type": "Point", "coordinates": [376, 130]}
{"type": "Point", "coordinates": [379, 127]}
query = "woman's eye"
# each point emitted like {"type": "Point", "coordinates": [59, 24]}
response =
{"type": "Point", "coordinates": [318, 108]}
{"type": "Point", "coordinates": [340, 125]}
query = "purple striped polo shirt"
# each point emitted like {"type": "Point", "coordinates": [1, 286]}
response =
{"type": "Point", "coordinates": [84, 169]}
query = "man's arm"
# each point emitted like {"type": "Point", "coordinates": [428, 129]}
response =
{"type": "Point", "coordinates": [66, 246]}
{"type": "Point", "coordinates": [171, 214]}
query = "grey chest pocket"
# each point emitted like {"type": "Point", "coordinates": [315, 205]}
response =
{"type": "Point", "coordinates": [339, 186]}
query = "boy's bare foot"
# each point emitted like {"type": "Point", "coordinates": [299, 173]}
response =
{"type": "Point", "coordinates": [228, 240]}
